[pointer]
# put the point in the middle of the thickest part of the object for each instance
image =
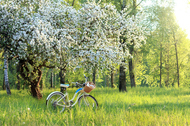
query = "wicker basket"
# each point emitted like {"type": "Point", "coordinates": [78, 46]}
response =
{"type": "Point", "coordinates": [89, 87]}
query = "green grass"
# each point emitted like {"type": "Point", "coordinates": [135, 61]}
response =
{"type": "Point", "coordinates": [139, 106]}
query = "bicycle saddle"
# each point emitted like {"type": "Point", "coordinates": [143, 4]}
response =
{"type": "Point", "coordinates": [64, 85]}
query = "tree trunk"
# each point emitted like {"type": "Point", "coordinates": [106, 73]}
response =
{"type": "Point", "coordinates": [6, 74]}
{"type": "Point", "coordinates": [62, 74]}
{"type": "Point", "coordinates": [107, 80]}
{"type": "Point", "coordinates": [131, 66]}
{"type": "Point", "coordinates": [124, 4]}
{"type": "Point", "coordinates": [134, 7]}
{"type": "Point", "coordinates": [41, 85]}
{"type": "Point", "coordinates": [18, 82]}
{"type": "Point", "coordinates": [73, 2]}
{"type": "Point", "coordinates": [32, 78]}
{"type": "Point", "coordinates": [160, 64]}
{"type": "Point", "coordinates": [131, 73]}
{"type": "Point", "coordinates": [176, 59]}
{"type": "Point", "coordinates": [54, 80]}
{"type": "Point", "coordinates": [112, 78]}
{"type": "Point", "coordinates": [122, 75]}
{"type": "Point", "coordinates": [167, 67]}
{"type": "Point", "coordinates": [18, 77]}
{"type": "Point", "coordinates": [51, 79]}
{"type": "Point", "coordinates": [35, 84]}
{"type": "Point", "coordinates": [35, 91]}
{"type": "Point", "coordinates": [177, 64]}
{"type": "Point", "coordinates": [94, 75]}
{"type": "Point", "coordinates": [131, 51]}
{"type": "Point", "coordinates": [122, 79]}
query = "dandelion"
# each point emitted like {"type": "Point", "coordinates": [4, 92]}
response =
{"type": "Point", "coordinates": [28, 109]}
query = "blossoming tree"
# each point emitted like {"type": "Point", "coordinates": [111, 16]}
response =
{"type": "Point", "coordinates": [45, 33]}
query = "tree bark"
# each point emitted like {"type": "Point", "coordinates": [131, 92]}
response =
{"type": "Point", "coordinates": [176, 59]}
{"type": "Point", "coordinates": [41, 85]}
{"type": "Point", "coordinates": [124, 4]}
{"type": "Point", "coordinates": [62, 74]}
{"type": "Point", "coordinates": [134, 7]}
{"type": "Point", "coordinates": [131, 73]}
{"type": "Point", "coordinates": [54, 80]}
{"type": "Point", "coordinates": [94, 75]}
{"type": "Point", "coordinates": [131, 51]}
{"type": "Point", "coordinates": [122, 75]}
{"type": "Point", "coordinates": [167, 67]}
{"type": "Point", "coordinates": [112, 78]}
{"type": "Point", "coordinates": [177, 65]}
{"type": "Point", "coordinates": [32, 78]}
{"type": "Point", "coordinates": [73, 2]}
{"type": "Point", "coordinates": [51, 79]}
{"type": "Point", "coordinates": [18, 78]}
{"type": "Point", "coordinates": [131, 66]}
{"type": "Point", "coordinates": [160, 64]}
{"type": "Point", "coordinates": [6, 74]}
{"type": "Point", "coordinates": [122, 79]}
{"type": "Point", "coordinates": [35, 84]}
{"type": "Point", "coordinates": [35, 91]}
{"type": "Point", "coordinates": [18, 82]}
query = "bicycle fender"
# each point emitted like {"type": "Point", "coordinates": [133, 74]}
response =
{"type": "Point", "coordinates": [57, 92]}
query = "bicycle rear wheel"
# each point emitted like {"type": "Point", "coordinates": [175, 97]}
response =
{"type": "Point", "coordinates": [56, 103]}
{"type": "Point", "coordinates": [88, 102]}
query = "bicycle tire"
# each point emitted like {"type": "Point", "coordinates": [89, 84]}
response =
{"type": "Point", "coordinates": [87, 102]}
{"type": "Point", "coordinates": [56, 102]}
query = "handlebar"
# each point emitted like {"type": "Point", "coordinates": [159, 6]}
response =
{"type": "Point", "coordinates": [86, 78]}
{"type": "Point", "coordinates": [78, 84]}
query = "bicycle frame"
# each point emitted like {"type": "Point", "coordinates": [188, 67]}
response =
{"type": "Point", "coordinates": [78, 93]}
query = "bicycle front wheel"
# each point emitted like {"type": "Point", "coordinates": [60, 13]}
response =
{"type": "Point", "coordinates": [88, 102]}
{"type": "Point", "coordinates": [56, 103]}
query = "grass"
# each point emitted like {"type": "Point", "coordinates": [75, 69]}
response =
{"type": "Point", "coordinates": [137, 107]}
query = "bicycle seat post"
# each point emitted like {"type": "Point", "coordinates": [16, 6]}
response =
{"type": "Point", "coordinates": [64, 87]}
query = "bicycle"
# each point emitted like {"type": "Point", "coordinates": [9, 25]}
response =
{"type": "Point", "coordinates": [57, 101]}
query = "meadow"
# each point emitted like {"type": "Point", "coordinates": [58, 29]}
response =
{"type": "Point", "coordinates": [139, 106]}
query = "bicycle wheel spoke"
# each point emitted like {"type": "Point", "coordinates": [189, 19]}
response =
{"type": "Point", "coordinates": [88, 102]}
{"type": "Point", "coordinates": [56, 103]}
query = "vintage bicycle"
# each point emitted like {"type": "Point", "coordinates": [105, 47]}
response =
{"type": "Point", "coordinates": [58, 101]}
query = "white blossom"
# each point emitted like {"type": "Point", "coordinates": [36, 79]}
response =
{"type": "Point", "coordinates": [58, 32]}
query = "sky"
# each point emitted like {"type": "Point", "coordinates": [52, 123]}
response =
{"type": "Point", "coordinates": [182, 12]}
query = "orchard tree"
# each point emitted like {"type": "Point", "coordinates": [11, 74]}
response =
{"type": "Point", "coordinates": [122, 32]}
{"type": "Point", "coordinates": [98, 36]}
{"type": "Point", "coordinates": [50, 35]}
{"type": "Point", "coordinates": [31, 38]}
{"type": "Point", "coordinates": [53, 34]}
{"type": "Point", "coordinates": [133, 36]}
{"type": "Point", "coordinates": [90, 33]}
